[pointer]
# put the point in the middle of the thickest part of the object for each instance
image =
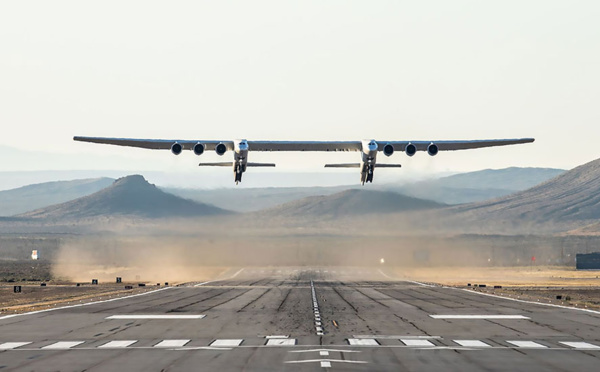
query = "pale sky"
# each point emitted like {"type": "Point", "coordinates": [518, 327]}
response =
{"type": "Point", "coordinates": [301, 70]}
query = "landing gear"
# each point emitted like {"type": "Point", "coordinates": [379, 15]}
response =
{"type": "Point", "coordinates": [370, 173]}
{"type": "Point", "coordinates": [239, 170]}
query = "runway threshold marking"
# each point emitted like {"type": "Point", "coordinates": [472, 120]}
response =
{"type": "Point", "coordinates": [61, 345]}
{"type": "Point", "coordinates": [281, 342]}
{"type": "Point", "coordinates": [362, 342]}
{"type": "Point", "coordinates": [12, 345]}
{"type": "Point", "coordinates": [172, 343]}
{"type": "Point", "coordinates": [527, 344]}
{"type": "Point", "coordinates": [416, 342]}
{"type": "Point", "coordinates": [581, 345]}
{"type": "Point", "coordinates": [455, 316]}
{"type": "Point", "coordinates": [472, 343]}
{"type": "Point", "coordinates": [117, 344]}
{"type": "Point", "coordinates": [157, 316]}
{"type": "Point", "coordinates": [227, 342]}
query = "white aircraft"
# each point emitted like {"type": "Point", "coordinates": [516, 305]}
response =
{"type": "Point", "coordinates": [240, 148]}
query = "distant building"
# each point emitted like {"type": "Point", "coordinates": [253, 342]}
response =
{"type": "Point", "coordinates": [587, 261]}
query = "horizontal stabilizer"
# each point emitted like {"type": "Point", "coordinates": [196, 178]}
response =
{"type": "Point", "coordinates": [225, 164]}
{"type": "Point", "coordinates": [260, 164]}
{"type": "Point", "coordinates": [347, 165]}
{"type": "Point", "coordinates": [388, 166]}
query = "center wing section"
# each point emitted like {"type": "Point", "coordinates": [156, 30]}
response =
{"type": "Point", "coordinates": [305, 146]}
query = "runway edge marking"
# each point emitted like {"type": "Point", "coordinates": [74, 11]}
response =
{"type": "Point", "coordinates": [496, 296]}
{"type": "Point", "coordinates": [85, 304]}
{"type": "Point", "coordinates": [526, 302]}
{"type": "Point", "coordinates": [218, 280]}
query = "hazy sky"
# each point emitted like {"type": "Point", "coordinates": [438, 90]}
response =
{"type": "Point", "coordinates": [302, 70]}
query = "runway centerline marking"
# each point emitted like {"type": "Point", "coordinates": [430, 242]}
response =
{"type": "Point", "coordinates": [157, 316]}
{"type": "Point", "coordinates": [479, 317]}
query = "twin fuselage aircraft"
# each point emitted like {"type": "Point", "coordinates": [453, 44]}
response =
{"type": "Point", "coordinates": [241, 148]}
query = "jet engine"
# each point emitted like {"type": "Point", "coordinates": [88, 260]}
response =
{"type": "Point", "coordinates": [432, 149]}
{"type": "Point", "coordinates": [220, 149]}
{"type": "Point", "coordinates": [388, 150]}
{"type": "Point", "coordinates": [410, 149]}
{"type": "Point", "coordinates": [176, 148]}
{"type": "Point", "coordinates": [198, 149]}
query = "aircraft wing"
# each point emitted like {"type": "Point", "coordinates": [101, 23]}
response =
{"type": "Point", "coordinates": [153, 144]}
{"type": "Point", "coordinates": [328, 146]}
{"type": "Point", "coordinates": [456, 145]}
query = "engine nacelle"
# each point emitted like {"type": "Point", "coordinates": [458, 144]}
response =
{"type": "Point", "coordinates": [176, 148]}
{"type": "Point", "coordinates": [410, 149]}
{"type": "Point", "coordinates": [388, 150]}
{"type": "Point", "coordinates": [220, 149]}
{"type": "Point", "coordinates": [198, 149]}
{"type": "Point", "coordinates": [433, 149]}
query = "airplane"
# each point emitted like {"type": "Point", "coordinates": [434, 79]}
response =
{"type": "Point", "coordinates": [241, 148]}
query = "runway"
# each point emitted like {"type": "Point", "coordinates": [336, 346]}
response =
{"type": "Point", "coordinates": [303, 319]}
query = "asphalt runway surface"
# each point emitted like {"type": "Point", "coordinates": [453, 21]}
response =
{"type": "Point", "coordinates": [303, 319]}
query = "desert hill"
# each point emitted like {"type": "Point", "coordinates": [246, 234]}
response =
{"type": "Point", "coordinates": [31, 197]}
{"type": "Point", "coordinates": [351, 203]}
{"type": "Point", "coordinates": [478, 186]}
{"type": "Point", "coordinates": [573, 197]}
{"type": "Point", "coordinates": [127, 196]}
